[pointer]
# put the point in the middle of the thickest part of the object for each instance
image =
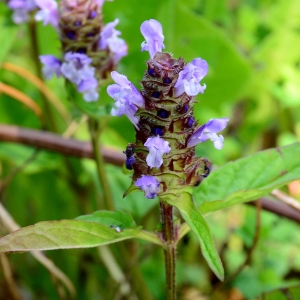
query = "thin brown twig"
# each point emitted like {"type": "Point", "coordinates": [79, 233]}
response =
{"type": "Point", "coordinates": [9, 279]}
{"type": "Point", "coordinates": [278, 208]}
{"type": "Point", "coordinates": [281, 196]}
{"type": "Point", "coordinates": [71, 147]}
{"type": "Point", "coordinates": [55, 143]}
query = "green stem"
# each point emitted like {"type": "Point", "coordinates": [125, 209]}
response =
{"type": "Point", "coordinates": [169, 237]}
{"type": "Point", "coordinates": [98, 157]}
{"type": "Point", "coordinates": [50, 122]}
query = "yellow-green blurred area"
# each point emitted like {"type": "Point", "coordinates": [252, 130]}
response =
{"type": "Point", "coordinates": [252, 49]}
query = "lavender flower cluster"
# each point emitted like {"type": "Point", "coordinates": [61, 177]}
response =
{"type": "Point", "coordinates": [77, 65]}
{"type": "Point", "coordinates": [77, 69]}
{"type": "Point", "coordinates": [46, 11]}
{"type": "Point", "coordinates": [128, 101]}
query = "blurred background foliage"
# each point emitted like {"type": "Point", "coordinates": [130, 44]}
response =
{"type": "Point", "coordinates": [252, 48]}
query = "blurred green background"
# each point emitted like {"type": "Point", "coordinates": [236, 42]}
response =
{"type": "Point", "coordinates": [252, 48]}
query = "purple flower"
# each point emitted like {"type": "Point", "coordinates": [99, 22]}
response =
{"type": "Point", "coordinates": [48, 12]}
{"type": "Point", "coordinates": [77, 69]}
{"type": "Point", "coordinates": [127, 97]}
{"type": "Point", "coordinates": [148, 184]}
{"type": "Point", "coordinates": [152, 32]}
{"type": "Point", "coordinates": [51, 66]}
{"type": "Point", "coordinates": [89, 88]}
{"type": "Point", "coordinates": [189, 78]}
{"type": "Point", "coordinates": [109, 39]}
{"type": "Point", "coordinates": [209, 131]}
{"type": "Point", "coordinates": [21, 9]}
{"type": "Point", "coordinates": [157, 148]}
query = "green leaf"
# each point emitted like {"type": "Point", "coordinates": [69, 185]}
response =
{"type": "Point", "coordinates": [8, 33]}
{"type": "Point", "coordinates": [190, 35]}
{"type": "Point", "coordinates": [248, 178]}
{"type": "Point", "coordinates": [111, 219]}
{"type": "Point", "coordinates": [193, 217]}
{"type": "Point", "coordinates": [68, 234]}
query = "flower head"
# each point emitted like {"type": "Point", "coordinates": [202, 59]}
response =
{"type": "Point", "coordinates": [48, 12]}
{"type": "Point", "coordinates": [164, 113]}
{"type": "Point", "coordinates": [152, 32]}
{"type": "Point", "coordinates": [157, 148]}
{"type": "Point", "coordinates": [77, 69]}
{"type": "Point", "coordinates": [209, 131]}
{"type": "Point", "coordinates": [109, 39]}
{"type": "Point", "coordinates": [127, 97]}
{"type": "Point", "coordinates": [51, 66]}
{"type": "Point", "coordinates": [189, 78]}
{"type": "Point", "coordinates": [149, 185]}
{"type": "Point", "coordinates": [21, 9]}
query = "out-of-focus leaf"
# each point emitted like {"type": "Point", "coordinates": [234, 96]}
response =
{"type": "Point", "coordinates": [196, 221]}
{"type": "Point", "coordinates": [190, 35]}
{"type": "Point", "coordinates": [248, 178]}
{"type": "Point", "coordinates": [112, 219]}
{"type": "Point", "coordinates": [18, 154]}
{"type": "Point", "coordinates": [67, 234]}
{"type": "Point", "coordinates": [262, 282]}
{"type": "Point", "coordinates": [8, 33]}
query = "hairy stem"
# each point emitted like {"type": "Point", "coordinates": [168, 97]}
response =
{"type": "Point", "coordinates": [50, 122]}
{"type": "Point", "coordinates": [169, 237]}
{"type": "Point", "coordinates": [98, 157]}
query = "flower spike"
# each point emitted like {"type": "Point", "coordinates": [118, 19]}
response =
{"type": "Point", "coordinates": [163, 156]}
{"type": "Point", "coordinates": [152, 32]}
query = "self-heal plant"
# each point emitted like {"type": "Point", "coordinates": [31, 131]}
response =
{"type": "Point", "coordinates": [162, 159]}
{"type": "Point", "coordinates": [163, 114]}
{"type": "Point", "coordinates": [163, 156]}
{"type": "Point", "coordinates": [91, 49]}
